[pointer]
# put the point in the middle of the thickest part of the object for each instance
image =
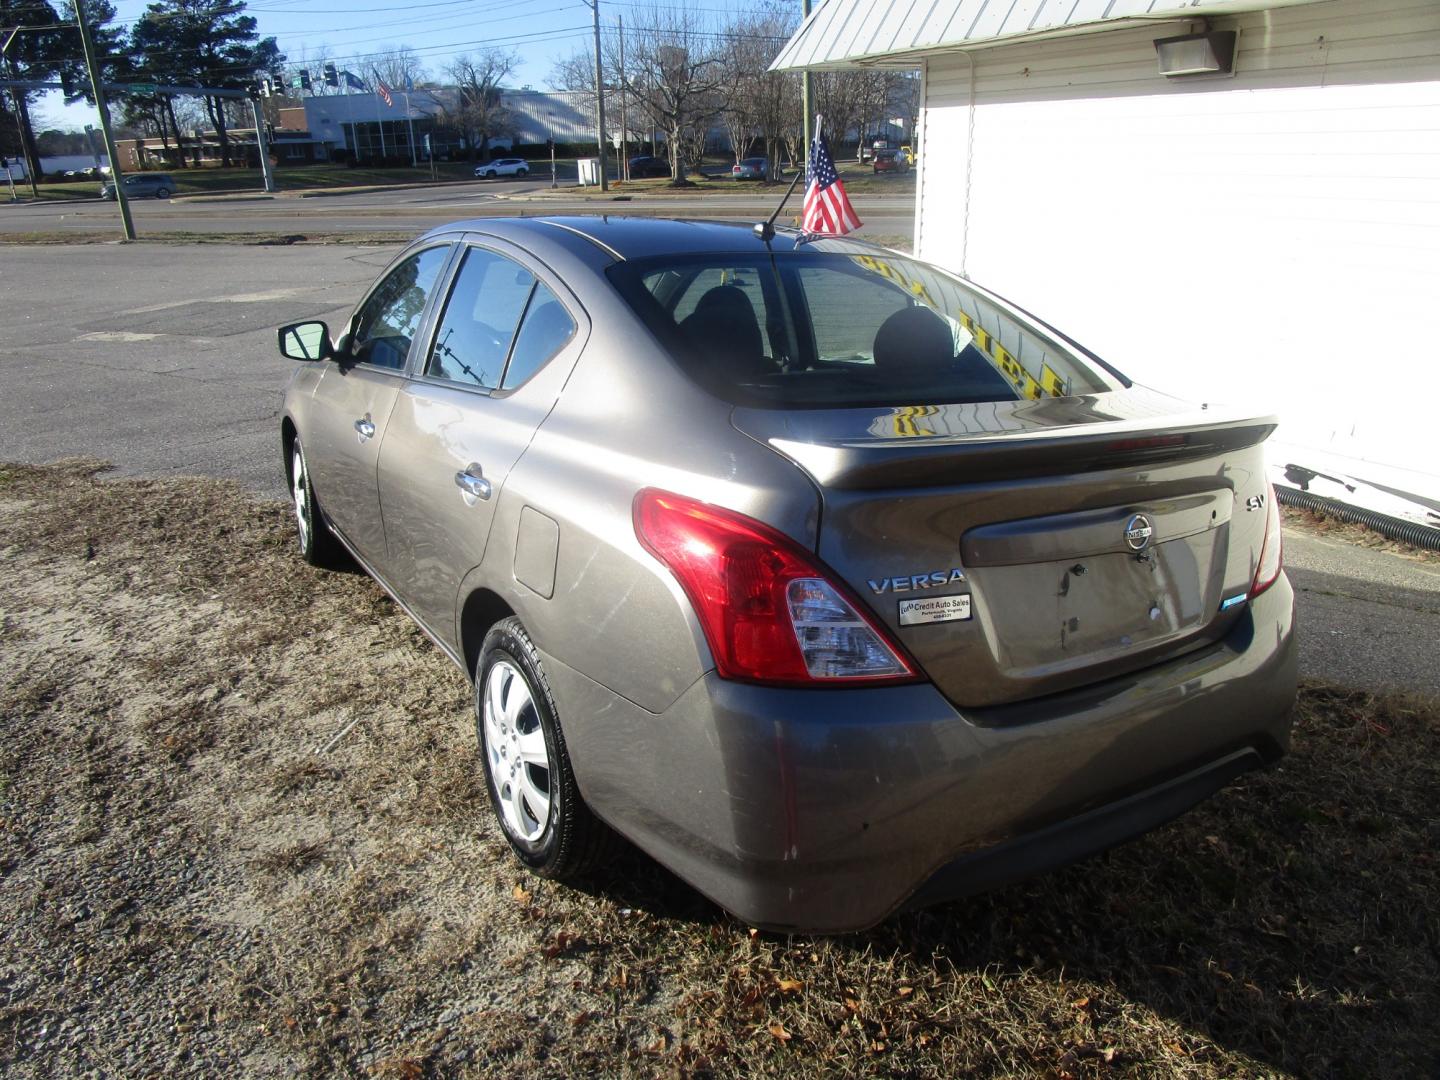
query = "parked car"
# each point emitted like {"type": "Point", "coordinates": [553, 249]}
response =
{"type": "Point", "coordinates": [831, 580]}
{"type": "Point", "coordinates": [755, 168]}
{"type": "Point", "coordinates": [891, 161]}
{"type": "Point", "coordinates": [141, 185]}
{"type": "Point", "coordinates": [503, 167]}
{"type": "Point", "coordinates": [643, 167]}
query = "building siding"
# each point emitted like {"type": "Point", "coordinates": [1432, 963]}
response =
{"type": "Point", "coordinates": [1275, 235]}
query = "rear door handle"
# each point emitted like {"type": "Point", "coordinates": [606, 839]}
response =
{"type": "Point", "coordinates": [365, 428]}
{"type": "Point", "coordinates": [472, 484]}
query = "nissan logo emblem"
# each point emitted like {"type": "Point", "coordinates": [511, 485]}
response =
{"type": "Point", "coordinates": [1138, 531]}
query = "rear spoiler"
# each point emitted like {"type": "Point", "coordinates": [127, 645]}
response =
{"type": "Point", "coordinates": [925, 458]}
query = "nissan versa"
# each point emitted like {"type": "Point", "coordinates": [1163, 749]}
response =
{"type": "Point", "coordinates": [832, 581]}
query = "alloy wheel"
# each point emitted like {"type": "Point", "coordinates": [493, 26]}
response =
{"type": "Point", "coordinates": [516, 753]}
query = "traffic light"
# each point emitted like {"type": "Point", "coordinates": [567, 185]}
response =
{"type": "Point", "coordinates": [305, 79]}
{"type": "Point", "coordinates": [267, 86]}
{"type": "Point", "coordinates": [332, 76]}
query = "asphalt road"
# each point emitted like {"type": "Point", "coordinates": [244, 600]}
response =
{"type": "Point", "coordinates": [161, 358]}
{"type": "Point", "coordinates": [416, 209]}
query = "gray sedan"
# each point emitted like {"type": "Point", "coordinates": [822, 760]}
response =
{"type": "Point", "coordinates": [831, 580]}
{"type": "Point", "coordinates": [141, 186]}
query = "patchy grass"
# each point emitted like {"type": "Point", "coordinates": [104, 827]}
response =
{"type": "Point", "coordinates": [192, 888]}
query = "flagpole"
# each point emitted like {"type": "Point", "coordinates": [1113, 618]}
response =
{"type": "Point", "coordinates": [380, 122]}
{"type": "Point", "coordinates": [410, 123]}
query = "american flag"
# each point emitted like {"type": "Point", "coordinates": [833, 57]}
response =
{"type": "Point", "coordinates": [383, 91]}
{"type": "Point", "coordinates": [827, 208]}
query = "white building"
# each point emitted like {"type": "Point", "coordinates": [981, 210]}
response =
{"type": "Point", "coordinates": [1268, 233]}
{"type": "Point", "coordinates": [360, 122]}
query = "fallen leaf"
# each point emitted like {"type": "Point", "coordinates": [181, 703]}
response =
{"type": "Point", "coordinates": [778, 1030]}
{"type": "Point", "coordinates": [1081, 1003]}
{"type": "Point", "coordinates": [790, 986]}
{"type": "Point", "coordinates": [521, 895]}
{"type": "Point", "coordinates": [905, 991]}
{"type": "Point", "coordinates": [1109, 1054]}
{"type": "Point", "coordinates": [879, 1046]}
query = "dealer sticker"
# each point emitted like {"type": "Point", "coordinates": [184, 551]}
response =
{"type": "Point", "coordinates": [928, 609]}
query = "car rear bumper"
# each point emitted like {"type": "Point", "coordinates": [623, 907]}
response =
{"type": "Point", "coordinates": [827, 810]}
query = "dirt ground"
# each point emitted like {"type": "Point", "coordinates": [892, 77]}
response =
{"type": "Point", "coordinates": [205, 869]}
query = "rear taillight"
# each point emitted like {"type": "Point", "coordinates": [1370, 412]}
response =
{"type": "Point", "coordinates": [770, 613]}
{"type": "Point", "coordinates": [1268, 568]}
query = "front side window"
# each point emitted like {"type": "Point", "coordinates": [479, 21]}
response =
{"type": "Point", "coordinates": [387, 322]}
{"type": "Point", "coordinates": [826, 329]}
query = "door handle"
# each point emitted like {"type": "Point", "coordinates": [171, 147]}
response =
{"type": "Point", "coordinates": [472, 484]}
{"type": "Point", "coordinates": [365, 428]}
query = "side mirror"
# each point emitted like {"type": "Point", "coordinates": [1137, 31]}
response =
{"type": "Point", "coordinates": [305, 341]}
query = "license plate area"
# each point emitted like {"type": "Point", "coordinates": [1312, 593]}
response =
{"type": "Point", "coordinates": [1043, 618]}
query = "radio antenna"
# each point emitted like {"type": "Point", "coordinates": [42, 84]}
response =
{"type": "Point", "coordinates": [765, 230]}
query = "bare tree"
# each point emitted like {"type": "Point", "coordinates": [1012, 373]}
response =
{"type": "Point", "coordinates": [674, 69]}
{"type": "Point", "coordinates": [397, 65]}
{"type": "Point", "coordinates": [478, 112]}
{"type": "Point", "coordinates": [768, 101]}
{"type": "Point", "coordinates": [839, 101]}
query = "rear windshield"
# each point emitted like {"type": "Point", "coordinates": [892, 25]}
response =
{"type": "Point", "coordinates": [814, 329]}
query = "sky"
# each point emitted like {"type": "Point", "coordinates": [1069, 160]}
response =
{"type": "Point", "coordinates": [541, 31]}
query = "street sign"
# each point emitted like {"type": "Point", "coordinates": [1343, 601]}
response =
{"type": "Point", "coordinates": [143, 88]}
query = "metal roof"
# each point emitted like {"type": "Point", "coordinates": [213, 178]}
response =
{"type": "Point", "coordinates": [898, 33]}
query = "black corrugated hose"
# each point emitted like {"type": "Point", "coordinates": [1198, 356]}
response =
{"type": "Point", "coordinates": [1394, 528]}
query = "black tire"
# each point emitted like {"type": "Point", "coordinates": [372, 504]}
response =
{"type": "Point", "coordinates": [162, 193]}
{"type": "Point", "coordinates": [318, 545]}
{"type": "Point", "coordinates": [571, 841]}
{"type": "Point", "coordinates": [522, 172]}
{"type": "Point", "coordinates": [490, 175]}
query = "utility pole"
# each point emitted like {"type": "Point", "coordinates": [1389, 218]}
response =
{"type": "Point", "coordinates": [99, 91]}
{"type": "Point", "coordinates": [807, 88]}
{"type": "Point", "coordinates": [15, 93]}
{"type": "Point", "coordinates": [599, 99]}
{"type": "Point", "coordinates": [261, 146]}
{"type": "Point", "coordinates": [623, 167]}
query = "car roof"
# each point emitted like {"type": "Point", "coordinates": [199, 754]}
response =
{"type": "Point", "coordinates": [638, 238]}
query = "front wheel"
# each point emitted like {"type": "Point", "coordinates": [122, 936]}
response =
{"type": "Point", "coordinates": [491, 174]}
{"type": "Point", "coordinates": [318, 545]}
{"type": "Point", "coordinates": [527, 766]}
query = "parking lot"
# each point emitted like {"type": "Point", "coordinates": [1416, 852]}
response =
{"type": "Point", "coordinates": [240, 821]}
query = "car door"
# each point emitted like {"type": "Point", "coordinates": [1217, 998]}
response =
{"type": "Point", "coordinates": [499, 352]}
{"type": "Point", "coordinates": [355, 395]}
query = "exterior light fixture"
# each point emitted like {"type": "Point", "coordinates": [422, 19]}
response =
{"type": "Point", "coordinates": [1208, 53]}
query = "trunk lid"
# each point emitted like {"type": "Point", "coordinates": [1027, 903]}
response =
{"type": "Point", "coordinates": [1029, 547]}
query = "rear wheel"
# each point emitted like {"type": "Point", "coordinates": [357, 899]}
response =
{"type": "Point", "coordinates": [522, 172]}
{"type": "Point", "coordinates": [527, 766]}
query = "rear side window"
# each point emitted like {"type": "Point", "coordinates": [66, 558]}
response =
{"type": "Point", "coordinates": [481, 314]}
{"type": "Point", "coordinates": [826, 329]}
{"type": "Point", "coordinates": [499, 327]}
{"type": "Point", "coordinates": [546, 330]}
